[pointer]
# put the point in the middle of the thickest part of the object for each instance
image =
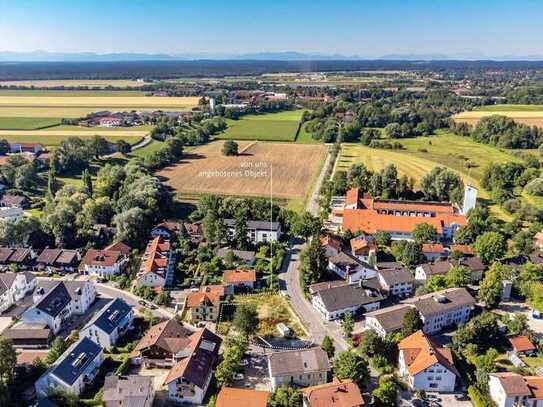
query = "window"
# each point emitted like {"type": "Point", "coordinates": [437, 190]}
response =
{"type": "Point", "coordinates": [433, 385]}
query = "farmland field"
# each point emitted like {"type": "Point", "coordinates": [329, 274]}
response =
{"type": "Point", "coordinates": [27, 123]}
{"type": "Point", "coordinates": [532, 115]}
{"type": "Point", "coordinates": [206, 170]}
{"type": "Point", "coordinates": [69, 93]}
{"type": "Point", "coordinates": [91, 83]}
{"type": "Point", "coordinates": [73, 107]}
{"type": "Point", "coordinates": [52, 137]}
{"type": "Point", "coordinates": [280, 126]}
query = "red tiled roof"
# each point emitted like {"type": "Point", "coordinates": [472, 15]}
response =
{"type": "Point", "coordinates": [462, 248]}
{"type": "Point", "coordinates": [352, 196]}
{"type": "Point", "coordinates": [521, 343]}
{"type": "Point", "coordinates": [420, 353]}
{"type": "Point", "coordinates": [432, 248]}
{"type": "Point", "coordinates": [207, 295]}
{"type": "Point", "coordinates": [238, 276]}
{"type": "Point", "coordinates": [233, 397]}
{"type": "Point", "coordinates": [339, 393]}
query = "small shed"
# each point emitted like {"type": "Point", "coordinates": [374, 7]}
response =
{"type": "Point", "coordinates": [283, 329]}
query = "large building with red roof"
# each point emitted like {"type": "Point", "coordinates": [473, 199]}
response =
{"type": "Point", "coordinates": [157, 264]}
{"type": "Point", "coordinates": [363, 213]}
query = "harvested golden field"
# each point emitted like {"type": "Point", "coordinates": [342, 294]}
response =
{"type": "Point", "coordinates": [72, 107]}
{"type": "Point", "coordinates": [91, 83]}
{"type": "Point", "coordinates": [530, 118]}
{"type": "Point", "coordinates": [206, 170]}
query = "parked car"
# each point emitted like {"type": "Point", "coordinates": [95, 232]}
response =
{"type": "Point", "coordinates": [243, 362]}
{"type": "Point", "coordinates": [142, 302]}
{"type": "Point", "coordinates": [239, 376]}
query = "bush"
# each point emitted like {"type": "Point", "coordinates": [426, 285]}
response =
{"type": "Point", "coordinates": [478, 398]}
{"type": "Point", "coordinates": [535, 187]}
{"type": "Point", "coordinates": [512, 205]}
{"type": "Point", "coordinates": [229, 148]}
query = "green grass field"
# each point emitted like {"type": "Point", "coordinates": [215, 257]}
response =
{"type": "Point", "coordinates": [150, 148]}
{"type": "Point", "coordinates": [27, 123]}
{"type": "Point", "coordinates": [510, 108]}
{"type": "Point", "coordinates": [280, 126]}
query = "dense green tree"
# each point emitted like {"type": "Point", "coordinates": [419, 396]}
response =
{"type": "Point", "coordinates": [87, 182]}
{"type": "Point", "coordinates": [442, 184]}
{"type": "Point", "coordinates": [348, 324]}
{"type": "Point", "coordinates": [58, 346]}
{"type": "Point", "coordinates": [230, 147]}
{"type": "Point", "coordinates": [240, 230]}
{"type": "Point", "coordinates": [458, 276]}
{"type": "Point", "coordinates": [246, 319]}
{"type": "Point", "coordinates": [4, 147]}
{"type": "Point", "coordinates": [482, 331]}
{"type": "Point", "coordinates": [8, 361]}
{"type": "Point", "coordinates": [424, 232]}
{"type": "Point", "coordinates": [328, 346]}
{"type": "Point", "coordinates": [371, 344]}
{"type": "Point", "coordinates": [411, 323]}
{"type": "Point", "coordinates": [490, 246]}
{"type": "Point", "coordinates": [286, 396]}
{"type": "Point", "coordinates": [132, 226]}
{"type": "Point", "coordinates": [491, 285]}
{"type": "Point", "coordinates": [350, 365]}
{"type": "Point", "coordinates": [314, 262]}
{"type": "Point", "coordinates": [386, 393]}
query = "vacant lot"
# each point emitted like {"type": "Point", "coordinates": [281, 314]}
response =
{"type": "Point", "coordinates": [532, 115]}
{"type": "Point", "coordinates": [206, 170]}
{"type": "Point", "coordinates": [91, 83]}
{"type": "Point", "coordinates": [280, 126]}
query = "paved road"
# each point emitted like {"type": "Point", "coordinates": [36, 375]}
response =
{"type": "Point", "coordinates": [146, 140]}
{"type": "Point", "coordinates": [290, 282]}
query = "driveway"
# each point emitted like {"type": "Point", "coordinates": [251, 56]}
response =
{"type": "Point", "coordinates": [20, 307]}
{"type": "Point", "coordinates": [78, 321]}
{"type": "Point", "coordinates": [256, 373]}
{"type": "Point", "coordinates": [516, 307]}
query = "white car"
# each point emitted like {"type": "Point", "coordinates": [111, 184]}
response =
{"type": "Point", "coordinates": [244, 362]}
{"type": "Point", "coordinates": [239, 376]}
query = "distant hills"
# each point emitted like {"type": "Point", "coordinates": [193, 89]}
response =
{"type": "Point", "coordinates": [46, 56]}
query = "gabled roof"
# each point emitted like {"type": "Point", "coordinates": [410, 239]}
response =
{"type": "Point", "coordinates": [441, 301]}
{"type": "Point", "coordinates": [256, 224]}
{"type": "Point", "coordinates": [197, 367]}
{"type": "Point", "coordinates": [119, 247]}
{"type": "Point", "coordinates": [521, 343]}
{"type": "Point", "coordinates": [234, 397]}
{"type": "Point", "coordinates": [346, 296]}
{"type": "Point", "coordinates": [130, 390]}
{"type": "Point", "coordinates": [362, 244]}
{"type": "Point", "coordinates": [332, 241]}
{"type": "Point", "coordinates": [396, 276]}
{"type": "Point", "coordinates": [75, 360]}
{"type": "Point", "coordinates": [432, 248]}
{"type": "Point", "coordinates": [168, 335]}
{"type": "Point", "coordinates": [245, 255]}
{"type": "Point", "coordinates": [153, 258]}
{"type": "Point", "coordinates": [100, 258]}
{"type": "Point", "coordinates": [339, 393]}
{"type": "Point", "coordinates": [56, 295]}
{"type": "Point", "coordinates": [61, 256]}
{"type": "Point", "coordinates": [301, 361]}
{"type": "Point", "coordinates": [420, 353]}
{"type": "Point", "coordinates": [513, 384]}
{"type": "Point", "coordinates": [239, 276]}
{"type": "Point", "coordinates": [465, 249]}
{"type": "Point", "coordinates": [109, 317]}
{"type": "Point", "coordinates": [390, 318]}
{"type": "Point", "coordinates": [209, 295]}
{"type": "Point", "coordinates": [438, 268]}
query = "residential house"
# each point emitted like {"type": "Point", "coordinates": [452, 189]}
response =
{"type": "Point", "coordinates": [426, 365]}
{"type": "Point", "coordinates": [14, 201]}
{"type": "Point", "coordinates": [333, 303]}
{"type": "Point", "coordinates": [433, 251]}
{"type": "Point", "coordinates": [463, 249]}
{"type": "Point", "coordinates": [238, 280]}
{"type": "Point", "coordinates": [234, 397]}
{"type": "Point", "coordinates": [167, 230]}
{"type": "Point", "coordinates": [240, 257]}
{"type": "Point", "coordinates": [364, 248]}
{"type": "Point", "coordinates": [363, 213]}
{"type": "Point", "coordinates": [302, 367]}
{"type": "Point", "coordinates": [387, 320]}
{"type": "Point", "coordinates": [508, 389]}
{"type": "Point", "coordinates": [205, 304]}
{"type": "Point", "coordinates": [397, 281]}
{"type": "Point", "coordinates": [110, 121]}
{"type": "Point", "coordinates": [424, 271]}
{"type": "Point", "coordinates": [33, 148]}
{"type": "Point", "coordinates": [107, 262]}
{"type": "Point", "coordinates": [157, 265]}
{"type": "Point", "coordinates": [257, 231]}
{"type": "Point", "coordinates": [332, 244]}
{"type": "Point", "coordinates": [188, 380]}
{"type": "Point", "coordinates": [58, 260]}
{"type": "Point", "coordinates": [340, 393]}
{"type": "Point", "coordinates": [74, 369]}
{"type": "Point", "coordinates": [194, 231]}
{"type": "Point", "coordinates": [162, 345]}
{"type": "Point", "coordinates": [109, 324]}
{"type": "Point", "coordinates": [522, 345]}
{"type": "Point", "coordinates": [21, 257]}
{"type": "Point", "coordinates": [128, 391]}
{"type": "Point", "coordinates": [474, 264]}
{"type": "Point", "coordinates": [57, 301]}
{"type": "Point", "coordinates": [444, 308]}
{"type": "Point", "coordinates": [349, 268]}
{"type": "Point", "coordinates": [29, 336]}
{"type": "Point", "coordinates": [14, 287]}
{"type": "Point", "coordinates": [11, 214]}
{"type": "Point", "coordinates": [323, 285]}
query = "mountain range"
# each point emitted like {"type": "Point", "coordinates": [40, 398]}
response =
{"type": "Point", "coordinates": [45, 56]}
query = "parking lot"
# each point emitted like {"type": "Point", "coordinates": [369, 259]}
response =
{"type": "Point", "coordinates": [255, 372]}
{"type": "Point", "coordinates": [435, 400]}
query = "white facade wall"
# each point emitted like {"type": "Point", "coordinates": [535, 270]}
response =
{"type": "Point", "coordinates": [361, 273]}
{"type": "Point", "coordinates": [192, 393]}
{"type": "Point", "coordinates": [437, 322]}
{"type": "Point", "coordinates": [420, 274]}
{"type": "Point", "coordinates": [338, 314]}
{"type": "Point", "coordinates": [373, 323]}
{"type": "Point", "coordinates": [151, 280]}
{"type": "Point", "coordinates": [434, 378]}
{"type": "Point", "coordinates": [396, 289]}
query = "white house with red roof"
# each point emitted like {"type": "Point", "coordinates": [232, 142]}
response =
{"type": "Point", "coordinates": [508, 389]}
{"type": "Point", "coordinates": [426, 365]}
{"type": "Point", "coordinates": [157, 264]}
{"type": "Point", "coordinates": [238, 279]}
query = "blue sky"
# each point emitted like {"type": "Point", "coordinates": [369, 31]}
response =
{"type": "Point", "coordinates": [357, 27]}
